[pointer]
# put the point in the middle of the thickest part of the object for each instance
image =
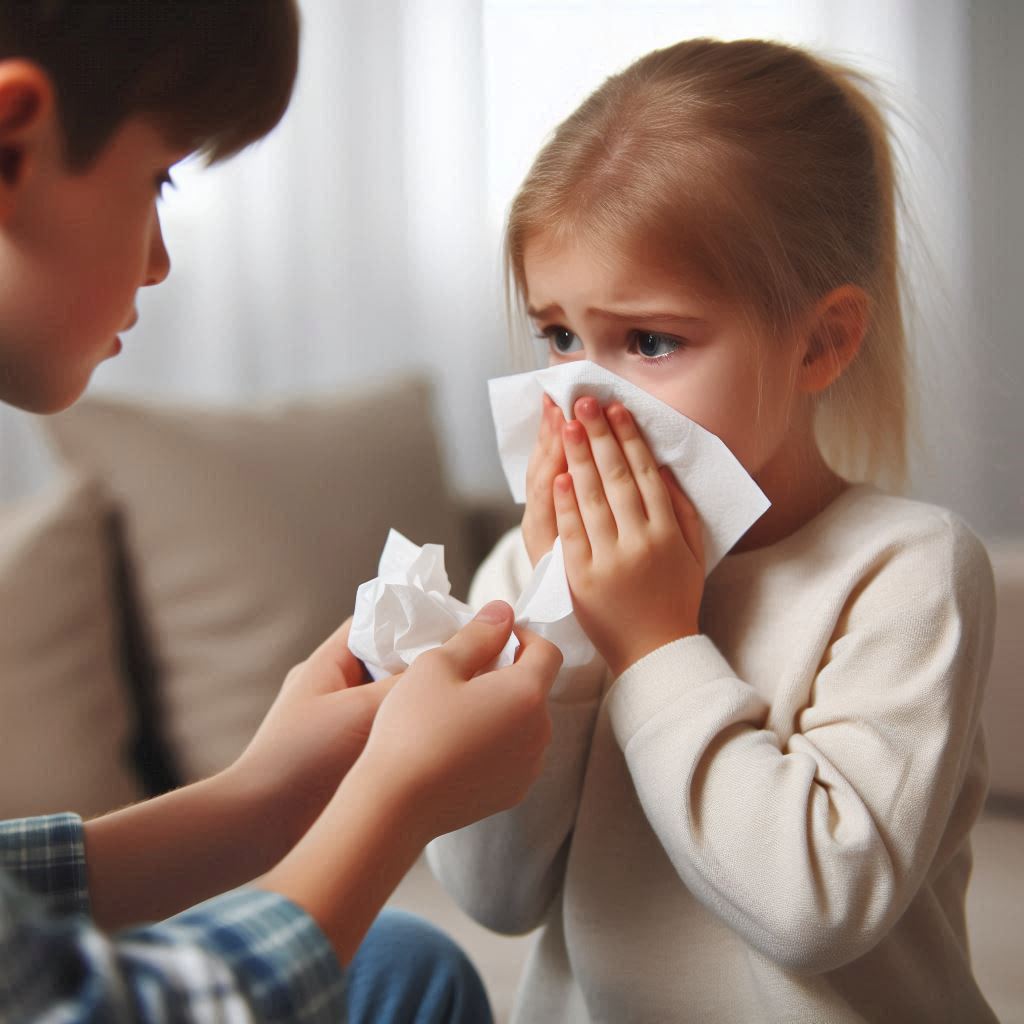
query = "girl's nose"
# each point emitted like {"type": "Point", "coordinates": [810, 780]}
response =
{"type": "Point", "coordinates": [158, 265]}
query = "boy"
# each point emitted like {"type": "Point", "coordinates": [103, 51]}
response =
{"type": "Point", "coordinates": [97, 101]}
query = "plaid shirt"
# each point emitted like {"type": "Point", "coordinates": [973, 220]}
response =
{"type": "Point", "coordinates": [248, 955]}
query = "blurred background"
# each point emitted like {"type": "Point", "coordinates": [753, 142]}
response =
{"type": "Point", "coordinates": [149, 613]}
{"type": "Point", "coordinates": [361, 240]}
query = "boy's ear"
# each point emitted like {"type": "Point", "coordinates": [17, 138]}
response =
{"type": "Point", "coordinates": [836, 330]}
{"type": "Point", "coordinates": [26, 105]}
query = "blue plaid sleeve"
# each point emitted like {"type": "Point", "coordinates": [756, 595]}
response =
{"type": "Point", "coordinates": [47, 856]}
{"type": "Point", "coordinates": [248, 942]}
{"type": "Point", "coordinates": [248, 955]}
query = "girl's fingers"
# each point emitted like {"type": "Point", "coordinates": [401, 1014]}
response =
{"type": "Point", "coordinates": [557, 448]}
{"type": "Point", "coordinates": [550, 423]}
{"type": "Point", "coordinates": [575, 541]}
{"type": "Point", "coordinates": [550, 452]}
{"type": "Point", "coordinates": [649, 484]}
{"type": "Point", "coordinates": [551, 463]}
{"type": "Point", "coordinates": [686, 515]}
{"type": "Point", "coordinates": [547, 431]}
{"type": "Point", "coordinates": [616, 477]}
{"type": "Point", "coordinates": [590, 499]}
{"type": "Point", "coordinates": [546, 462]}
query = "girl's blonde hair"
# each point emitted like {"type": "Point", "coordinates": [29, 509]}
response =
{"type": "Point", "coordinates": [766, 174]}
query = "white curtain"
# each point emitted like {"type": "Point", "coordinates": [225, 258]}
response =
{"type": "Point", "coordinates": [361, 240]}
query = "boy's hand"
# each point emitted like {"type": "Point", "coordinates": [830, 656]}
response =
{"type": "Point", "coordinates": [313, 733]}
{"type": "Point", "coordinates": [461, 746]}
{"type": "Point", "coordinates": [546, 462]}
{"type": "Point", "coordinates": [632, 540]}
{"type": "Point", "coordinates": [445, 750]}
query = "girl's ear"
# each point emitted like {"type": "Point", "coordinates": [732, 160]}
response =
{"type": "Point", "coordinates": [26, 107]}
{"type": "Point", "coordinates": [833, 338]}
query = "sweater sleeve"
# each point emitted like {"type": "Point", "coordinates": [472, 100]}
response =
{"type": "Point", "coordinates": [812, 847]}
{"type": "Point", "coordinates": [505, 871]}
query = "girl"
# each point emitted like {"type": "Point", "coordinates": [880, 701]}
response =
{"type": "Point", "coordinates": [757, 806]}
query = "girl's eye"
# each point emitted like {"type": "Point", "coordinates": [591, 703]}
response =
{"type": "Point", "coordinates": [562, 341]}
{"type": "Point", "coordinates": [163, 179]}
{"type": "Point", "coordinates": [654, 346]}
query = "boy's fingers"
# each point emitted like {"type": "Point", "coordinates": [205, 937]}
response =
{"type": "Point", "coordinates": [374, 691]}
{"type": "Point", "coordinates": [479, 642]}
{"type": "Point", "coordinates": [686, 515]}
{"type": "Point", "coordinates": [539, 657]}
{"type": "Point", "coordinates": [382, 687]}
{"type": "Point", "coordinates": [335, 666]}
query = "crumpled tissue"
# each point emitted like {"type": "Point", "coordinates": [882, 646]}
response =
{"type": "Point", "coordinates": [408, 609]}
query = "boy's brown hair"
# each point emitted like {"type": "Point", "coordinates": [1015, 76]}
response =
{"type": "Point", "coordinates": [215, 75]}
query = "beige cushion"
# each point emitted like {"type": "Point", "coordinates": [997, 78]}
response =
{"type": "Point", "coordinates": [63, 706]}
{"type": "Point", "coordinates": [248, 531]}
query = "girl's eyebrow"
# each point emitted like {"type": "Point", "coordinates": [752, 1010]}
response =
{"type": "Point", "coordinates": [543, 314]}
{"type": "Point", "coordinates": [639, 316]}
{"type": "Point", "coordinates": [636, 316]}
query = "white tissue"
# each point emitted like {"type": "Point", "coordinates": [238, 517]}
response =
{"type": "Point", "coordinates": [408, 609]}
{"type": "Point", "coordinates": [725, 497]}
{"type": "Point", "coordinates": [545, 607]}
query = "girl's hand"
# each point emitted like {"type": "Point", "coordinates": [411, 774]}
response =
{"type": "Point", "coordinates": [546, 462]}
{"type": "Point", "coordinates": [632, 540]}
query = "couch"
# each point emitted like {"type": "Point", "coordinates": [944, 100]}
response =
{"type": "Point", "coordinates": [185, 557]}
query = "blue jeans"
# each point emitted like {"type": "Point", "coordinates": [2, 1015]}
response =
{"type": "Point", "coordinates": [408, 972]}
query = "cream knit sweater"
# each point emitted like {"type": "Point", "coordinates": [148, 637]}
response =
{"type": "Point", "coordinates": [769, 821]}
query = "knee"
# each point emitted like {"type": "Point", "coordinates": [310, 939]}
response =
{"type": "Point", "coordinates": [406, 970]}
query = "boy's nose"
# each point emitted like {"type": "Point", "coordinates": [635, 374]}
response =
{"type": "Point", "coordinates": [158, 266]}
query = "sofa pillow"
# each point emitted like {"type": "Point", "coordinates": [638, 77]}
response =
{"type": "Point", "coordinates": [64, 718]}
{"type": "Point", "coordinates": [247, 532]}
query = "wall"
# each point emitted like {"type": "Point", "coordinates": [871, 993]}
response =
{"type": "Point", "coordinates": [996, 247]}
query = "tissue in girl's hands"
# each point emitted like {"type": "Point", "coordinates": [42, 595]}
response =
{"type": "Point", "coordinates": [725, 497]}
{"type": "Point", "coordinates": [408, 609]}
{"type": "Point", "coordinates": [545, 607]}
